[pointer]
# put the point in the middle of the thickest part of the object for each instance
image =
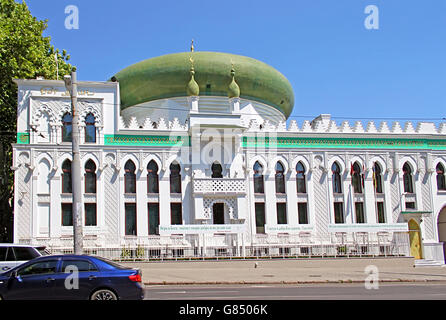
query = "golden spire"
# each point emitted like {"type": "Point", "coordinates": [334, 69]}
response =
{"type": "Point", "coordinates": [192, 88]}
{"type": "Point", "coordinates": [233, 89]}
{"type": "Point", "coordinates": [192, 46]}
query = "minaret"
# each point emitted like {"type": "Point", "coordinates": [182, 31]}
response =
{"type": "Point", "coordinates": [192, 89]}
{"type": "Point", "coordinates": [234, 92]}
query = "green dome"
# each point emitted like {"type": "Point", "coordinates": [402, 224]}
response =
{"type": "Point", "coordinates": [168, 76]}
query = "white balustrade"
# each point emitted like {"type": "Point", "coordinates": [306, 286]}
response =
{"type": "Point", "coordinates": [219, 185]}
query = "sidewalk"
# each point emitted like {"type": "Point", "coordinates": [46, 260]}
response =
{"type": "Point", "coordinates": [284, 271]}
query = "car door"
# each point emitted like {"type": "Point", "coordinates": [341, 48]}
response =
{"type": "Point", "coordinates": [34, 281]}
{"type": "Point", "coordinates": [79, 278]}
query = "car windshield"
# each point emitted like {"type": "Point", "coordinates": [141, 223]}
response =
{"type": "Point", "coordinates": [111, 263]}
{"type": "Point", "coordinates": [43, 251]}
{"type": "Point", "coordinates": [25, 253]}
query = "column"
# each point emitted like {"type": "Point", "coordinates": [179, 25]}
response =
{"type": "Point", "coordinates": [311, 205]}
{"type": "Point", "coordinates": [369, 198]}
{"type": "Point", "coordinates": [388, 195]}
{"type": "Point", "coordinates": [142, 223]}
{"type": "Point", "coordinates": [193, 102]}
{"type": "Point", "coordinates": [164, 197]}
{"type": "Point", "coordinates": [186, 185]}
{"type": "Point", "coordinates": [235, 105]}
{"type": "Point", "coordinates": [291, 199]}
{"type": "Point", "coordinates": [270, 198]}
{"type": "Point", "coordinates": [55, 207]}
{"type": "Point", "coordinates": [100, 194]}
{"type": "Point", "coordinates": [251, 216]}
{"type": "Point", "coordinates": [34, 210]}
{"type": "Point", "coordinates": [349, 205]}
{"type": "Point", "coordinates": [330, 199]}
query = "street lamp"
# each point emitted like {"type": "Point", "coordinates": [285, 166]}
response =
{"type": "Point", "coordinates": [77, 207]}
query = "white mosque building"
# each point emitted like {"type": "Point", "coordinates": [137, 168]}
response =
{"type": "Point", "coordinates": [190, 154]}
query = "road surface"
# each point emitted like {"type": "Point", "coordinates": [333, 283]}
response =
{"type": "Point", "coordinates": [356, 291]}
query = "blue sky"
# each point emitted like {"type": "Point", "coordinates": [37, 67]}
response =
{"type": "Point", "coordinates": [334, 64]}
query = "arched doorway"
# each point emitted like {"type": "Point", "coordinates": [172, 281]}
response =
{"type": "Point", "coordinates": [415, 239]}
{"type": "Point", "coordinates": [441, 225]}
{"type": "Point", "coordinates": [218, 213]}
{"type": "Point", "coordinates": [217, 170]}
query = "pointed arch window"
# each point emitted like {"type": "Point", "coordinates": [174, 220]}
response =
{"type": "Point", "coordinates": [336, 177]}
{"type": "Point", "coordinates": [67, 127]}
{"type": "Point", "coordinates": [67, 186]}
{"type": "Point", "coordinates": [175, 178]}
{"type": "Point", "coordinates": [377, 178]}
{"type": "Point", "coordinates": [357, 178]}
{"type": "Point", "coordinates": [280, 178]}
{"type": "Point", "coordinates": [407, 178]}
{"type": "Point", "coordinates": [43, 176]}
{"type": "Point", "coordinates": [129, 177]}
{"type": "Point", "coordinates": [90, 128]}
{"type": "Point", "coordinates": [258, 178]}
{"type": "Point", "coordinates": [90, 177]}
{"type": "Point", "coordinates": [441, 182]}
{"type": "Point", "coordinates": [217, 170]}
{"type": "Point", "coordinates": [300, 178]}
{"type": "Point", "coordinates": [152, 177]}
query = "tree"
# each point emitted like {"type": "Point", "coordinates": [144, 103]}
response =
{"type": "Point", "coordinates": [24, 54]}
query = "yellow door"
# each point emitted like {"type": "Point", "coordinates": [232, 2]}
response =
{"type": "Point", "coordinates": [415, 239]}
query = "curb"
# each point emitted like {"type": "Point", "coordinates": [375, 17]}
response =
{"type": "Point", "coordinates": [348, 281]}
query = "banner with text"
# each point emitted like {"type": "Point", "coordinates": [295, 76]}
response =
{"type": "Point", "coordinates": [368, 227]}
{"type": "Point", "coordinates": [202, 228]}
{"type": "Point", "coordinates": [284, 228]}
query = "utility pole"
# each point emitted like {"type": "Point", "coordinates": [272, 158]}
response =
{"type": "Point", "coordinates": [71, 85]}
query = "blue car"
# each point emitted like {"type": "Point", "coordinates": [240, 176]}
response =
{"type": "Point", "coordinates": [69, 277]}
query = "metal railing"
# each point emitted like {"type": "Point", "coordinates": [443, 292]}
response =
{"type": "Point", "coordinates": [234, 246]}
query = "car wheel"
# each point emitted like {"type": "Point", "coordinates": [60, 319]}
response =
{"type": "Point", "coordinates": [104, 294]}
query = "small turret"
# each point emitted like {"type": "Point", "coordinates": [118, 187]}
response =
{"type": "Point", "coordinates": [192, 88]}
{"type": "Point", "coordinates": [233, 89]}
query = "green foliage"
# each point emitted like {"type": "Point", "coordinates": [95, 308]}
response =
{"type": "Point", "coordinates": [24, 54]}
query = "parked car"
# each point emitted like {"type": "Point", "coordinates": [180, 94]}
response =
{"type": "Point", "coordinates": [69, 277]}
{"type": "Point", "coordinates": [12, 255]}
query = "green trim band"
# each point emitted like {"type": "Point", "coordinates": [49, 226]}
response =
{"type": "Point", "coordinates": [272, 142]}
{"type": "Point", "coordinates": [415, 211]}
{"type": "Point", "coordinates": [350, 143]}
{"type": "Point", "coordinates": [22, 138]}
{"type": "Point", "coordinates": [157, 141]}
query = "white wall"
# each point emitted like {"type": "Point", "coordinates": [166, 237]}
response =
{"type": "Point", "coordinates": [38, 169]}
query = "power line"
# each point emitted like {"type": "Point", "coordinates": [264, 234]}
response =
{"type": "Point", "coordinates": [309, 117]}
{"type": "Point", "coordinates": [14, 133]}
{"type": "Point", "coordinates": [387, 118]}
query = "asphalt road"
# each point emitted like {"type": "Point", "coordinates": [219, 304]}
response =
{"type": "Point", "coordinates": [356, 291]}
